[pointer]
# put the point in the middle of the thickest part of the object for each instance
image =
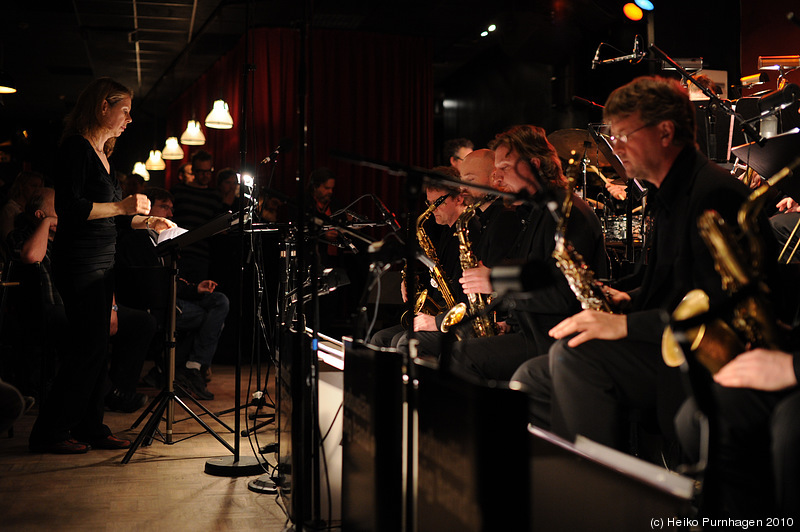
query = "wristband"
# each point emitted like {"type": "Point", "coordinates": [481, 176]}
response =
{"type": "Point", "coordinates": [147, 222]}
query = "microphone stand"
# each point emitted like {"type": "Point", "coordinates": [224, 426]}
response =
{"type": "Point", "coordinates": [715, 100]}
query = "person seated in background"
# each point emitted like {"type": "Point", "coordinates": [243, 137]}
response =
{"type": "Point", "coordinates": [25, 186]}
{"type": "Point", "coordinates": [131, 330]}
{"type": "Point", "coordinates": [185, 174]}
{"type": "Point", "coordinates": [228, 187]}
{"type": "Point", "coordinates": [455, 150]}
{"type": "Point", "coordinates": [197, 203]}
{"type": "Point", "coordinates": [134, 184]}
{"type": "Point", "coordinates": [201, 310]}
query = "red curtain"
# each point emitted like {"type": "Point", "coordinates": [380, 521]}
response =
{"type": "Point", "coordinates": [371, 95]}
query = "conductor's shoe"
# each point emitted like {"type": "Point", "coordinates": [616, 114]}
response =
{"type": "Point", "coordinates": [193, 381]}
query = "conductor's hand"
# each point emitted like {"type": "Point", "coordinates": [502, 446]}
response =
{"type": "Point", "coordinates": [158, 224]}
{"type": "Point", "coordinates": [477, 280]}
{"type": "Point", "coordinates": [590, 325]}
{"type": "Point", "coordinates": [135, 204]}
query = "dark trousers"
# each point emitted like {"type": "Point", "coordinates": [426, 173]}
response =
{"type": "Point", "coordinates": [492, 358]}
{"type": "Point", "coordinates": [754, 464]}
{"type": "Point", "coordinates": [77, 399]}
{"type": "Point", "coordinates": [599, 383]}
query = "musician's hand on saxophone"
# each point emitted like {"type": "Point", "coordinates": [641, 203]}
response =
{"type": "Point", "coordinates": [760, 369]}
{"type": "Point", "coordinates": [476, 280]}
{"type": "Point", "coordinates": [403, 291]}
{"type": "Point", "coordinates": [617, 297]}
{"type": "Point", "coordinates": [424, 322]}
{"type": "Point", "coordinates": [591, 325]}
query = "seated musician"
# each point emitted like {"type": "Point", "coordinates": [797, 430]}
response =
{"type": "Point", "coordinates": [446, 249]}
{"type": "Point", "coordinates": [521, 154]}
{"type": "Point", "coordinates": [605, 365]}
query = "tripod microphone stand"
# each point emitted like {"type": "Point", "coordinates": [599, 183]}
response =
{"type": "Point", "coordinates": [165, 400]}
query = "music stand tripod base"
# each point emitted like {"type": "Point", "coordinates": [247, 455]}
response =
{"type": "Point", "coordinates": [227, 466]}
{"type": "Point", "coordinates": [263, 484]}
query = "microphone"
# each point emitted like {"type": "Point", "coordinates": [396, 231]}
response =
{"type": "Point", "coordinates": [284, 146]}
{"type": "Point", "coordinates": [596, 60]}
{"type": "Point", "coordinates": [388, 215]}
{"type": "Point", "coordinates": [791, 17]}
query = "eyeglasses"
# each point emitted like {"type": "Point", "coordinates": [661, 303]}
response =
{"type": "Point", "coordinates": [200, 171]}
{"type": "Point", "coordinates": [623, 139]}
{"type": "Point", "coordinates": [438, 201]}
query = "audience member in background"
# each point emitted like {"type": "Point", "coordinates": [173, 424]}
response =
{"type": "Point", "coordinates": [202, 310]}
{"type": "Point", "coordinates": [25, 186]}
{"type": "Point", "coordinates": [455, 150]}
{"type": "Point", "coordinates": [131, 330]}
{"type": "Point", "coordinates": [196, 203]}
{"type": "Point", "coordinates": [134, 184]}
{"type": "Point", "coordinates": [90, 209]}
{"type": "Point", "coordinates": [185, 175]}
{"type": "Point", "coordinates": [228, 187]}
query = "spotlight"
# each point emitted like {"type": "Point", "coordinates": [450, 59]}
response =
{"type": "Point", "coordinates": [647, 5]}
{"type": "Point", "coordinates": [632, 11]}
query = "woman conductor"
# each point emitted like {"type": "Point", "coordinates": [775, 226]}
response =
{"type": "Point", "coordinates": [90, 208]}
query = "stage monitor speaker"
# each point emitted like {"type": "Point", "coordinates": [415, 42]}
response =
{"type": "Point", "coordinates": [473, 448]}
{"type": "Point", "coordinates": [588, 486]}
{"type": "Point", "coordinates": [372, 443]}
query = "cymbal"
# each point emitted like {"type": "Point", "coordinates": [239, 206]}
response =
{"type": "Point", "coordinates": [570, 143]}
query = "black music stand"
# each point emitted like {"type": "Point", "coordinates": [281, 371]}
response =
{"type": "Point", "coordinates": [164, 400]}
{"type": "Point", "coordinates": [775, 153]}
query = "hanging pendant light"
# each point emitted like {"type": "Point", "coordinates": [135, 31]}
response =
{"type": "Point", "coordinates": [172, 150]}
{"type": "Point", "coordinates": [7, 85]}
{"type": "Point", "coordinates": [155, 162]}
{"type": "Point", "coordinates": [219, 117]}
{"type": "Point", "coordinates": [193, 136]}
{"type": "Point", "coordinates": [141, 169]}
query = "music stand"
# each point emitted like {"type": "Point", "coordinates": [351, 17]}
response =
{"type": "Point", "coordinates": [774, 154]}
{"type": "Point", "coordinates": [164, 400]}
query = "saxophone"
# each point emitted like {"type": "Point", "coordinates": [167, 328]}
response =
{"type": "Point", "coordinates": [483, 325]}
{"type": "Point", "coordinates": [579, 276]}
{"type": "Point", "coordinates": [714, 344]}
{"type": "Point", "coordinates": [422, 303]}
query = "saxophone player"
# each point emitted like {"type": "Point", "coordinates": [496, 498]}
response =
{"type": "Point", "coordinates": [605, 365]}
{"type": "Point", "coordinates": [525, 161]}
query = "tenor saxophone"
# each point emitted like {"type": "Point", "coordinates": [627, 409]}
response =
{"type": "Point", "coordinates": [482, 324]}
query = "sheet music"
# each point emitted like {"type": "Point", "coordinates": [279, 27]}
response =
{"type": "Point", "coordinates": [170, 233]}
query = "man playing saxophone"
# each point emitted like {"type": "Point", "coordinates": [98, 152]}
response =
{"type": "Point", "coordinates": [525, 161]}
{"type": "Point", "coordinates": [605, 365]}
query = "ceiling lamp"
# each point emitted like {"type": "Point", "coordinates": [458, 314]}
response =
{"type": "Point", "coordinates": [141, 169]}
{"type": "Point", "coordinates": [7, 85]}
{"type": "Point", "coordinates": [193, 136]}
{"type": "Point", "coordinates": [155, 162]}
{"type": "Point", "coordinates": [172, 150]}
{"type": "Point", "coordinates": [219, 117]}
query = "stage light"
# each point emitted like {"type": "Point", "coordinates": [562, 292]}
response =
{"type": "Point", "coordinates": [7, 84]}
{"type": "Point", "coordinates": [647, 5]}
{"type": "Point", "coordinates": [632, 11]}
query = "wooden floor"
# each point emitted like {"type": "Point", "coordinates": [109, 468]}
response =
{"type": "Point", "coordinates": [164, 487]}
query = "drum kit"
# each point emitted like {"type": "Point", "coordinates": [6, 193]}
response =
{"type": "Point", "coordinates": [579, 147]}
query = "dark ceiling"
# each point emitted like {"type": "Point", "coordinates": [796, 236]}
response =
{"type": "Point", "coordinates": [53, 49]}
